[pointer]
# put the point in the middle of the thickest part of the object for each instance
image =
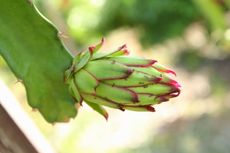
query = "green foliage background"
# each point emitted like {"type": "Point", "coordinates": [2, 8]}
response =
{"type": "Point", "coordinates": [195, 37]}
{"type": "Point", "coordinates": [157, 20]}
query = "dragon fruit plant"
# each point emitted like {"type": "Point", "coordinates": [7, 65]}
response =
{"type": "Point", "coordinates": [30, 45]}
{"type": "Point", "coordinates": [119, 82]}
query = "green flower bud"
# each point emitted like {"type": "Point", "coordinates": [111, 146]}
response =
{"type": "Point", "coordinates": [120, 82]}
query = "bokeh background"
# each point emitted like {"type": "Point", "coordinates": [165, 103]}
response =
{"type": "Point", "coordinates": [190, 36]}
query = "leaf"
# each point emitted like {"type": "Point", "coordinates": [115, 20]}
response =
{"type": "Point", "coordinates": [31, 47]}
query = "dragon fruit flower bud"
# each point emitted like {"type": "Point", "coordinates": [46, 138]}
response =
{"type": "Point", "coordinates": [117, 81]}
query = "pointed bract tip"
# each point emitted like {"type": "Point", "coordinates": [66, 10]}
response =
{"type": "Point", "coordinates": [150, 108]}
{"type": "Point", "coordinates": [106, 116]}
{"type": "Point", "coordinates": [121, 108]}
{"type": "Point", "coordinates": [152, 62]}
{"type": "Point", "coordinates": [164, 70]}
{"type": "Point", "coordinates": [122, 47]}
{"type": "Point", "coordinates": [102, 40]}
{"type": "Point", "coordinates": [170, 71]}
{"type": "Point", "coordinates": [166, 97]}
{"type": "Point", "coordinates": [175, 94]}
{"type": "Point", "coordinates": [95, 48]}
{"type": "Point", "coordinates": [135, 98]}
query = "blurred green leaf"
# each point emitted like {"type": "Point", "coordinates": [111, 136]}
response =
{"type": "Point", "coordinates": [213, 12]}
{"type": "Point", "coordinates": [157, 20]}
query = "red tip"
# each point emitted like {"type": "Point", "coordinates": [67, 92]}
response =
{"type": "Point", "coordinates": [170, 71]}
{"type": "Point", "coordinates": [164, 70]}
{"type": "Point", "coordinates": [91, 49]}
{"type": "Point", "coordinates": [175, 83]}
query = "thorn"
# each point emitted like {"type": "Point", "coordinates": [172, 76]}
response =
{"type": "Point", "coordinates": [62, 35]}
{"type": "Point", "coordinates": [77, 105]}
{"type": "Point", "coordinates": [30, 2]}
{"type": "Point", "coordinates": [66, 119]}
{"type": "Point", "coordinates": [34, 109]}
{"type": "Point", "coordinates": [19, 81]}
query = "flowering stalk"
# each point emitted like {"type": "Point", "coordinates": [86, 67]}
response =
{"type": "Point", "coordinates": [118, 81]}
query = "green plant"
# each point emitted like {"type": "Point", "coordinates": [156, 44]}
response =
{"type": "Point", "coordinates": [31, 47]}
